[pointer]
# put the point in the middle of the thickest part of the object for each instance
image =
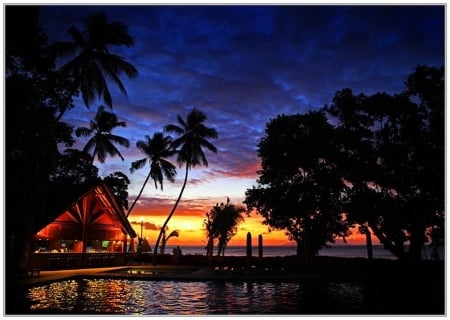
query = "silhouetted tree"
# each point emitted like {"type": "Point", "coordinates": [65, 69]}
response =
{"type": "Point", "coordinates": [102, 141]}
{"type": "Point", "coordinates": [208, 225]}
{"type": "Point", "coordinates": [157, 149]}
{"type": "Point", "coordinates": [394, 147]}
{"type": "Point", "coordinates": [299, 187]}
{"type": "Point", "coordinates": [118, 183]}
{"type": "Point", "coordinates": [32, 95]}
{"type": "Point", "coordinates": [91, 63]}
{"type": "Point", "coordinates": [222, 223]}
{"type": "Point", "coordinates": [74, 167]}
{"type": "Point", "coordinates": [35, 91]}
{"type": "Point", "coordinates": [193, 136]}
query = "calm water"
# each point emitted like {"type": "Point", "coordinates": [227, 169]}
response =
{"type": "Point", "coordinates": [112, 296]}
{"type": "Point", "coordinates": [140, 297]}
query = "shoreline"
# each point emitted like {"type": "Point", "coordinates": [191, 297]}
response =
{"type": "Point", "coordinates": [269, 269]}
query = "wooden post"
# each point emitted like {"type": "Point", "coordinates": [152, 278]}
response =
{"type": "Point", "coordinates": [249, 249]}
{"type": "Point", "coordinates": [260, 246]}
{"type": "Point", "coordinates": [369, 244]}
{"type": "Point", "coordinates": [260, 252]}
{"type": "Point", "coordinates": [249, 245]}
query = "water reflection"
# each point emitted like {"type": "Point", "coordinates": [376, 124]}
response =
{"type": "Point", "coordinates": [60, 295]}
{"type": "Point", "coordinates": [121, 296]}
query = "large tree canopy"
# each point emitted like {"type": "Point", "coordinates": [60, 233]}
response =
{"type": "Point", "coordinates": [394, 160]}
{"type": "Point", "coordinates": [299, 187]}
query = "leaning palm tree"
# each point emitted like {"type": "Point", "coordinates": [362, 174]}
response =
{"type": "Point", "coordinates": [193, 136]}
{"type": "Point", "coordinates": [174, 233]}
{"type": "Point", "coordinates": [102, 141]}
{"type": "Point", "coordinates": [156, 149]}
{"type": "Point", "coordinates": [91, 63]}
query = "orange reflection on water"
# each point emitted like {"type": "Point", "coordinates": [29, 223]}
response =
{"type": "Point", "coordinates": [54, 296]}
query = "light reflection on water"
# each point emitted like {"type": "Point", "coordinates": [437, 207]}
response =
{"type": "Point", "coordinates": [122, 296]}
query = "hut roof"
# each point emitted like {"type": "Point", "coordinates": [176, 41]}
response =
{"type": "Point", "coordinates": [99, 196]}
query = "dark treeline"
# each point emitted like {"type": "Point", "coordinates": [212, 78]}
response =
{"type": "Point", "coordinates": [39, 154]}
{"type": "Point", "coordinates": [37, 94]}
{"type": "Point", "coordinates": [375, 161]}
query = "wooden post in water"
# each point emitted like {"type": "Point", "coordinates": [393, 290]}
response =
{"type": "Point", "coordinates": [249, 245]}
{"type": "Point", "coordinates": [260, 252]}
{"type": "Point", "coordinates": [260, 246]}
{"type": "Point", "coordinates": [249, 248]}
{"type": "Point", "coordinates": [369, 244]}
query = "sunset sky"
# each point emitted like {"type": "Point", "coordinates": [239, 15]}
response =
{"type": "Point", "coordinates": [243, 65]}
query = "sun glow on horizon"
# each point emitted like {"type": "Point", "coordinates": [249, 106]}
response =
{"type": "Point", "coordinates": [191, 230]}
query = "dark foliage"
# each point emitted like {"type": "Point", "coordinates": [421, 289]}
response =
{"type": "Point", "coordinates": [394, 160]}
{"type": "Point", "coordinates": [299, 187]}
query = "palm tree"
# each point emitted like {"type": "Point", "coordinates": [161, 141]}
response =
{"type": "Point", "coordinates": [156, 149]}
{"type": "Point", "coordinates": [91, 63]}
{"type": "Point", "coordinates": [174, 233]}
{"type": "Point", "coordinates": [102, 140]}
{"type": "Point", "coordinates": [192, 137]}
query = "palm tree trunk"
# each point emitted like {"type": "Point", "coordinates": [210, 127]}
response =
{"type": "Point", "coordinates": [155, 251]}
{"type": "Point", "coordinates": [138, 196]}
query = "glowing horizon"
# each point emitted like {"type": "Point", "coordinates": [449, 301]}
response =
{"type": "Point", "coordinates": [200, 195]}
{"type": "Point", "coordinates": [191, 230]}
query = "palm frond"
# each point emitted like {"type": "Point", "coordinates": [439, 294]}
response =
{"type": "Point", "coordinates": [142, 145]}
{"type": "Point", "coordinates": [174, 233]}
{"type": "Point", "coordinates": [83, 132]}
{"type": "Point", "coordinates": [172, 128]}
{"type": "Point", "coordinates": [77, 37]}
{"type": "Point", "coordinates": [118, 140]}
{"type": "Point", "coordinates": [90, 145]}
{"type": "Point", "coordinates": [119, 35]}
{"type": "Point", "coordinates": [138, 164]}
{"type": "Point", "coordinates": [64, 48]}
{"type": "Point", "coordinates": [208, 145]}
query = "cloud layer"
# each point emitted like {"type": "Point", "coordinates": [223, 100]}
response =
{"type": "Point", "coordinates": [243, 65]}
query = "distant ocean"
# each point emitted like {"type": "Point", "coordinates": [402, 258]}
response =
{"type": "Point", "coordinates": [347, 251]}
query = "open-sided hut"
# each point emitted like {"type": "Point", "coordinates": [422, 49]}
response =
{"type": "Point", "coordinates": [90, 223]}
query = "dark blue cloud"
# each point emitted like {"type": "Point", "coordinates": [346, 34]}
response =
{"type": "Point", "coordinates": [244, 64]}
